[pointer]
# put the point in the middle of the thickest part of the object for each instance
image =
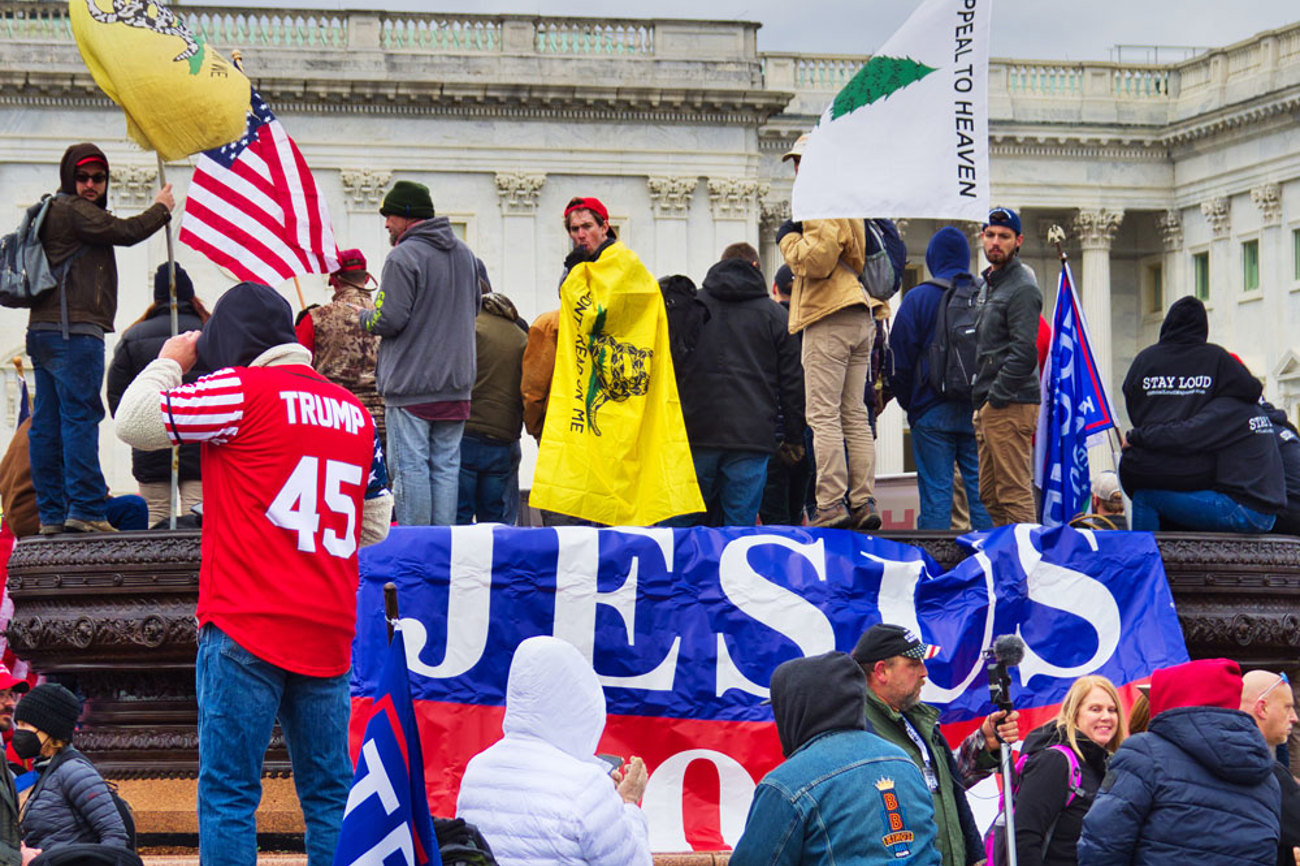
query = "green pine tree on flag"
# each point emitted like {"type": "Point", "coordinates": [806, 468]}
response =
{"type": "Point", "coordinates": [877, 79]}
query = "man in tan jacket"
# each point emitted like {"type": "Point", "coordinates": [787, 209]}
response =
{"type": "Point", "coordinates": [837, 318]}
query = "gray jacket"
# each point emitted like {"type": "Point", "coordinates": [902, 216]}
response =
{"type": "Point", "coordinates": [1006, 337]}
{"type": "Point", "coordinates": [71, 804]}
{"type": "Point", "coordinates": [424, 311]}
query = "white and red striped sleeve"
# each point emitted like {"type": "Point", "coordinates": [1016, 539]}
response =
{"type": "Point", "coordinates": [209, 410]}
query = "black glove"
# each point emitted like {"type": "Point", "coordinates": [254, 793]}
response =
{"type": "Point", "coordinates": [578, 256]}
{"type": "Point", "coordinates": [790, 454]}
{"type": "Point", "coordinates": [787, 227]}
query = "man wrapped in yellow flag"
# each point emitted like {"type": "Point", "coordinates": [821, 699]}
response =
{"type": "Point", "coordinates": [179, 95]}
{"type": "Point", "coordinates": [613, 448]}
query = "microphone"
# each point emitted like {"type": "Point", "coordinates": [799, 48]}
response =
{"type": "Point", "coordinates": [1008, 649]}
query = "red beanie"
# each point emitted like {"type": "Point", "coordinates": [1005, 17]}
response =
{"type": "Point", "coordinates": [351, 260]}
{"type": "Point", "coordinates": [1205, 683]}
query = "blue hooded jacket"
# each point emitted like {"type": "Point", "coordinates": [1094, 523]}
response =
{"type": "Point", "coordinates": [913, 330]}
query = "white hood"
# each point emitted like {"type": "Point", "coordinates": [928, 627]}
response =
{"type": "Point", "coordinates": [553, 695]}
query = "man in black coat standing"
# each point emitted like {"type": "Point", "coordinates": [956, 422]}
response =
{"type": "Point", "coordinates": [744, 365]}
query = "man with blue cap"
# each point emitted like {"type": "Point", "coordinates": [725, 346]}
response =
{"type": "Point", "coordinates": [1006, 392]}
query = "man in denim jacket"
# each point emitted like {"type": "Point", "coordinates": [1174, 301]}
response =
{"type": "Point", "coordinates": [843, 795]}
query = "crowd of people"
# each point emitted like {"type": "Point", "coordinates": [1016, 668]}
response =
{"type": "Point", "coordinates": [287, 431]}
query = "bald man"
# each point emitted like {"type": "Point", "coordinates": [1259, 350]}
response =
{"type": "Point", "coordinates": [1267, 698]}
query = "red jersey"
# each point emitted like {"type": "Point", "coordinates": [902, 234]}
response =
{"type": "Point", "coordinates": [286, 458]}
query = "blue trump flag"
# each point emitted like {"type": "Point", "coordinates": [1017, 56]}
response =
{"type": "Point", "coordinates": [387, 815]}
{"type": "Point", "coordinates": [1074, 414]}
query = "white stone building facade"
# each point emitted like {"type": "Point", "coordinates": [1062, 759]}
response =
{"type": "Point", "coordinates": [1169, 180]}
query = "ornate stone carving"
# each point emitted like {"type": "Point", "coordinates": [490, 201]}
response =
{"type": "Point", "coordinates": [1096, 229]}
{"type": "Point", "coordinates": [518, 192]}
{"type": "Point", "coordinates": [734, 198]}
{"type": "Point", "coordinates": [365, 187]}
{"type": "Point", "coordinates": [772, 213]}
{"type": "Point", "coordinates": [671, 196]}
{"type": "Point", "coordinates": [1268, 198]}
{"type": "Point", "coordinates": [134, 185]}
{"type": "Point", "coordinates": [1218, 212]}
{"type": "Point", "coordinates": [1170, 224]}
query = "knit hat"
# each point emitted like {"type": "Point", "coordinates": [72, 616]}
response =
{"type": "Point", "coordinates": [1204, 683]}
{"type": "Point", "coordinates": [184, 286]}
{"type": "Point", "coordinates": [408, 199]}
{"type": "Point", "coordinates": [50, 708]}
{"type": "Point", "coordinates": [784, 279]}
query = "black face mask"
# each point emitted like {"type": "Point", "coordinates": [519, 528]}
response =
{"type": "Point", "coordinates": [27, 744]}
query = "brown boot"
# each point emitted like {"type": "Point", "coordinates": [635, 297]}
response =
{"type": "Point", "coordinates": [831, 518]}
{"type": "Point", "coordinates": [72, 524]}
{"type": "Point", "coordinates": [865, 516]}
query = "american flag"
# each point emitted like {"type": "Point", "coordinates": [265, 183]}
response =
{"type": "Point", "coordinates": [253, 206]}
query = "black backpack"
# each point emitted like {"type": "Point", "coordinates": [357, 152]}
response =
{"type": "Point", "coordinates": [123, 807]}
{"type": "Point", "coordinates": [461, 844]}
{"type": "Point", "coordinates": [951, 353]}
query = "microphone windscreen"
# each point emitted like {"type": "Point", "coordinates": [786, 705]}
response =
{"type": "Point", "coordinates": [1009, 649]}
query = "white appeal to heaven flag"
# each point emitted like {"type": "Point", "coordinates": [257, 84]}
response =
{"type": "Point", "coordinates": [908, 136]}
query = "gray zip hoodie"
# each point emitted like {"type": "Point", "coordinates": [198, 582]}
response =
{"type": "Point", "coordinates": [424, 311]}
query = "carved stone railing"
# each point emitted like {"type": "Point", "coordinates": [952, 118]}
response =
{"type": "Point", "coordinates": [117, 614]}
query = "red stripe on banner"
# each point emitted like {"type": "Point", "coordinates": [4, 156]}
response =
{"type": "Point", "coordinates": [285, 193]}
{"type": "Point", "coordinates": [247, 242]}
{"type": "Point", "coordinates": [451, 734]}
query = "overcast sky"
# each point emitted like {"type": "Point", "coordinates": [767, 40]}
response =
{"type": "Point", "coordinates": [1025, 29]}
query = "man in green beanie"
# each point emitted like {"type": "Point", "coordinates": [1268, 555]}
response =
{"type": "Point", "coordinates": [424, 314]}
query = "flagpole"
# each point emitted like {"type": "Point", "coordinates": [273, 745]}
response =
{"type": "Point", "coordinates": [174, 503]}
{"type": "Point", "coordinates": [1057, 237]}
{"type": "Point", "coordinates": [390, 607]}
{"type": "Point", "coordinates": [302, 302]}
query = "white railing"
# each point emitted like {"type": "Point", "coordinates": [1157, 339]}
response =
{"type": "Point", "coordinates": [439, 33]}
{"type": "Point", "coordinates": [577, 36]}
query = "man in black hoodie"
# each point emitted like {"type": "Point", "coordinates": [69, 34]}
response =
{"type": "Point", "coordinates": [843, 795]}
{"type": "Point", "coordinates": [65, 338]}
{"type": "Point", "coordinates": [744, 369]}
{"type": "Point", "coordinates": [1202, 454]}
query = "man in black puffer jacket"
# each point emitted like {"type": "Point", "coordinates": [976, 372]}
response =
{"type": "Point", "coordinates": [1197, 787]}
{"type": "Point", "coordinates": [1173, 381]}
{"type": "Point", "coordinates": [744, 360]}
{"type": "Point", "coordinates": [138, 346]}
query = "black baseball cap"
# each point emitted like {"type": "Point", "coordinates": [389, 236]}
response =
{"type": "Point", "coordinates": [886, 640]}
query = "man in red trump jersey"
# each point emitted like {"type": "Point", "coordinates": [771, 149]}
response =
{"type": "Point", "coordinates": [293, 483]}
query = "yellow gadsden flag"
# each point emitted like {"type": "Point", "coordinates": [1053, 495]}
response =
{"type": "Point", "coordinates": [179, 95]}
{"type": "Point", "coordinates": [614, 446]}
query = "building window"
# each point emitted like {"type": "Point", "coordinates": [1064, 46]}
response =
{"type": "Point", "coordinates": [1155, 287]}
{"type": "Point", "coordinates": [1201, 275]}
{"type": "Point", "coordinates": [1295, 251]}
{"type": "Point", "coordinates": [1250, 266]}
{"type": "Point", "coordinates": [459, 229]}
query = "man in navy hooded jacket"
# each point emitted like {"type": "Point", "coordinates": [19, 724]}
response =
{"type": "Point", "coordinates": [1197, 787]}
{"type": "Point", "coordinates": [941, 429]}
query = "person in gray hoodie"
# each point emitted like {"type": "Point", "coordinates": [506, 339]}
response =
{"type": "Point", "coordinates": [424, 314]}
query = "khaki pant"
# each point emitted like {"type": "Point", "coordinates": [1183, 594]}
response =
{"type": "Point", "coordinates": [836, 359]}
{"type": "Point", "coordinates": [1005, 438]}
{"type": "Point", "coordinates": [157, 495]}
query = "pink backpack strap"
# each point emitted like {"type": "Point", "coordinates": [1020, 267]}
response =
{"type": "Point", "coordinates": [1076, 773]}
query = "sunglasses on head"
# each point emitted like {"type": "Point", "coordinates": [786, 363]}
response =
{"type": "Point", "coordinates": [1281, 678]}
{"type": "Point", "coordinates": [97, 177]}
{"type": "Point", "coordinates": [999, 214]}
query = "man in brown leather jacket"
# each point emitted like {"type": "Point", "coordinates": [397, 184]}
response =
{"type": "Point", "coordinates": [65, 339]}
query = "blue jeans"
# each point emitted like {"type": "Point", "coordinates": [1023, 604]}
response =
{"type": "Point", "coordinates": [64, 441]}
{"type": "Point", "coordinates": [1195, 511]}
{"type": "Point", "coordinates": [240, 699]}
{"type": "Point", "coordinates": [424, 464]}
{"type": "Point", "coordinates": [940, 437]}
{"type": "Point", "coordinates": [486, 469]}
{"type": "Point", "coordinates": [735, 479]}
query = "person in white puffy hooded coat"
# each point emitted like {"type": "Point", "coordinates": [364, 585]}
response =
{"type": "Point", "coordinates": [539, 795]}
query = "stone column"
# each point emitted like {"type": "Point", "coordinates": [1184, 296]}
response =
{"type": "Point", "coordinates": [670, 199]}
{"type": "Point", "coordinates": [770, 216]}
{"type": "Point", "coordinates": [1177, 280]}
{"type": "Point", "coordinates": [734, 202]}
{"type": "Point", "coordinates": [1218, 214]}
{"type": "Point", "coordinates": [1268, 199]}
{"type": "Point", "coordinates": [517, 193]}
{"type": "Point", "coordinates": [1095, 230]}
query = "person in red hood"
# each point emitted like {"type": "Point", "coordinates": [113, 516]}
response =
{"type": "Point", "coordinates": [1198, 786]}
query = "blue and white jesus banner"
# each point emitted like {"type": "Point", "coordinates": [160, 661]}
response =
{"type": "Point", "coordinates": [684, 629]}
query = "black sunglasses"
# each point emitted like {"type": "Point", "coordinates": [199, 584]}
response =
{"type": "Point", "coordinates": [98, 177]}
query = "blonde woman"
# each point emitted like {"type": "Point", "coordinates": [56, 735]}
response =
{"type": "Point", "coordinates": [1066, 761]}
